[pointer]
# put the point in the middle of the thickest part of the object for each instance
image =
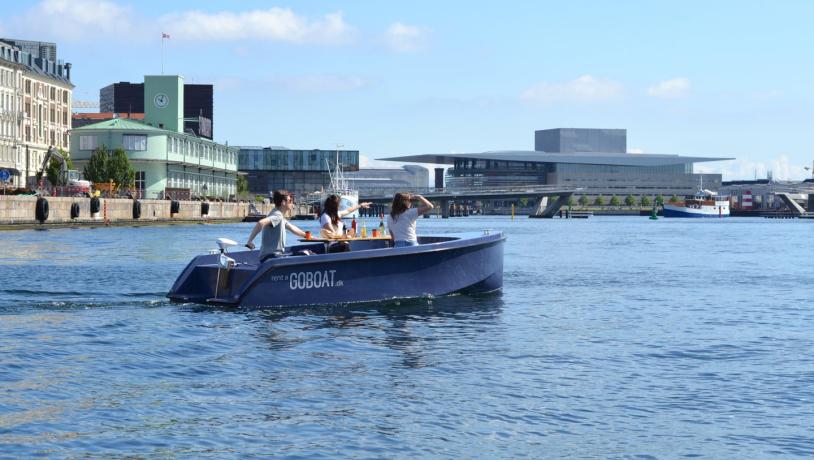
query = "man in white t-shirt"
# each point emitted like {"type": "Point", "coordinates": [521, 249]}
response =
{"type": "Point", "coordinates": [402, 218]}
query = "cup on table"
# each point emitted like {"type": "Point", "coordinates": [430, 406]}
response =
{"type": "Point", "coordinates": [307, 235]}
{"type": "Point", "coordinates": [375, 233]}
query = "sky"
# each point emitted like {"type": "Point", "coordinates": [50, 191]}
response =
{"type": "Point", "coordinates": [696, 78]}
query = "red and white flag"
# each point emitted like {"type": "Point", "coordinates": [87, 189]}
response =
{"type": "Point", "coordinates": [164, 35]}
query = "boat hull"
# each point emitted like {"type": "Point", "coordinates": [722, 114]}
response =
{"type": "Point", "coordinates": [704, 211]}
{"type": "Point", "coordinates": [438, 266]}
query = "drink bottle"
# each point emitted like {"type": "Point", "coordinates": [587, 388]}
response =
{"type": "Point", "coordinates": [353, 226]}
{"type": "Point", "coordinates": [364, 230]}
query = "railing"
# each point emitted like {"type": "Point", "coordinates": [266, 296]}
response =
{"type": "Point", "coordinates": [468, 190]}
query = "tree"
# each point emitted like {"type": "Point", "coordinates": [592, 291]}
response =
{"type": "Point", "coordinates": [52, 172]}
{"type": "Point", "coordinates": [660, 200]}
{"type": "Point", "coordinates": [570, 201]}
{"type": "Point", "coordinates": [242, 184]}
{"type": "Point", "coordinates": [673, 199]}
{"type": "Point", "coordinates": [629, 200]}
{"type": "Point", "coordinates": [583, 201]}
{"type": "Point", "coordinates": [96, 169]}
{"type": "Point", "coordinates": [644, 201]}
{"type": "Point", "coordinates": [119, 169]}
{"type": "Point", "coordinates": [599, 201]}
{"type": "Point", "coordinates": [615, 201]}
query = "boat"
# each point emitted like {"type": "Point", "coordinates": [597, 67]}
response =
{"type": "Point", "coordinates": [339, 186]}
{"type": "Point", "coordinates": [468, 263]}
{"type": "Point", "coordinates": [704, 203]}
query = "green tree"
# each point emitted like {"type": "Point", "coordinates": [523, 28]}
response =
{"type": "Point", "coordinates": [660, 200]}
{"type": "Point", "coordinates": [673, 199]}
{"type": "Point", "coordinates": [615, 201]}
{"type": "Point", "coordinates": [96, 169]}
{"type": "Point", "coordinates": [644, 201]}
{"type": "Point", "coordinates": [570, 201]}
{"type": "Point", "coordinates": [583, 201]}
{"type": "Point", "coordinates": [119, 169]}
{"type": "Point", "coordinates": [524, 202]}
{"type": "Point", "coordinates": [242, 184]}
{"type": "Point", "coordinates": [599, 201]}
{"type": "Point", "coordinates": [52, 172]}
{"type": "Point", "coordinates": [629, 200]}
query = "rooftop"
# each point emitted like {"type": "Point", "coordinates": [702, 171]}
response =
{"type": "Point", "coordinates": [533, 156]}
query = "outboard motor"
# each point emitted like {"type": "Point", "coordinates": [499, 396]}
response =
{"type": "Point", "coordinates": [224, 262]}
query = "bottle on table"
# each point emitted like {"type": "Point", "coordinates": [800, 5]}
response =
{"type": "Point", "coordinates": [364, 230]}
{"type": "Point", "coordinates": [381, 227]}
{"type": "Point", "coordinates": [353, 226]}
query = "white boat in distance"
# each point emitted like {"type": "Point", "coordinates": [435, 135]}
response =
{"type": "Point", "coordinates": [339, 186]}
{"type": "Point", "coordinates": [704, 203]}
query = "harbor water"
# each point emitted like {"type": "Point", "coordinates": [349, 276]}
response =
{"type": "Point", "coordinates": [614, 337]}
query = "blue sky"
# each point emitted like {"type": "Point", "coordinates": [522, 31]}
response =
{"type": "Point", "coordinates": [726, 78]}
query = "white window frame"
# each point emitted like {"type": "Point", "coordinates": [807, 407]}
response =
{"type": "Point", "coordinates": [88, 142]}
{"type": "Point", "coordinates": [134, 142]}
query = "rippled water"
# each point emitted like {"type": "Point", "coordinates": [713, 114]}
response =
{"type": "Point", "coordinates": [613, 338]}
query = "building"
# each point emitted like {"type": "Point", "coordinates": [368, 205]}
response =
{"type": "Point", "coordinates": [298, 171]}
{"type": "Point", "coordinates": [35, 106]}
{"type": "Point", "coordinates": [760, 194]}
{"type": "Point", "coordinates": [81, 119]}
{"type": "Point", "coordinates": [168, 160]}
{"type": "Point", "coordinates": [576, 158]}
{"type": "Point", "coordinates": [385, 181]}
{"type": "Point", "coordinates": [126, 97]}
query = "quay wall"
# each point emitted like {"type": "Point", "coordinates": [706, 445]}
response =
{"type": "Point", "coordinates": [21, 210]}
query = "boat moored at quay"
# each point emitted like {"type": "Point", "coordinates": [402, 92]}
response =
{"type": "Point", "coordinates": [468, 263]}
{"type": "Point", "coordinates": [702, 204]}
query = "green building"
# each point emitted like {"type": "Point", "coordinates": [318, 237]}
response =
{"type": "Point", "coordinates": [167, 161]}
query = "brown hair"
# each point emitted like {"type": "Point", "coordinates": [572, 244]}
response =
{"type": "Point", "coordinates": [401, 201]}
{"type": "Point", "coordinates": [280, 196]}
{"type": "Point", "coordinates": [332, 208]}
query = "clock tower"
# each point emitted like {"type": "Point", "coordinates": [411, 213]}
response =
{"type": "Point", "coordinates": [164, 102]}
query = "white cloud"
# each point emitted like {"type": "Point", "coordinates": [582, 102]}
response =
{"type": "Point", "coordinates": [322, 83]}
{"type": "Point", "coordinates": [75, 20]}
{"type": "Point", "coordinates": [747, 169]}
{"type": "Point", "coordinates": [402, 38]}
{"type": "Point", "coordinates": [635, 150]}
{"type": "Point", "coordinates": [670, 89]}
{"type": "Point", "coordinates": [584, 89]}
{"type": "Point", "coordinates": [276, 24]}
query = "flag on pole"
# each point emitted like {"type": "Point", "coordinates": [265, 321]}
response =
{"type": "Point", "coordinates": [163, 35]}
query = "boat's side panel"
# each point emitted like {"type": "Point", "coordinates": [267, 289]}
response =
{"type": "Point", "coordinates": [477, 268]}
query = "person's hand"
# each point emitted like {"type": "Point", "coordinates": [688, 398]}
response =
{"type": "Point", "coordinates": [365, 204]}
{"type": "Point", "coordinates": [250, 245]}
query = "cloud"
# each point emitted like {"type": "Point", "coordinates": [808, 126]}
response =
{"type": "Point", "coordinates": [634, 150]}
{"type": "Point", "coordinates": [74, 20]}
{"type": "Point", "coordinates": [584, 89]}
{"type": "Point", "coordinates": [780, 168]}
{"type": "Point", "coordinates": [670, 89]}
{"type": "Point", "coordinates": [402, 38]}
{"type": "Point", "coordinates": [323, 83]}
{"type": "Point", "coordinates": [274, 24]}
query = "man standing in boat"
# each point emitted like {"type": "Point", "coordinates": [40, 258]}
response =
{"type": "Point", "coordinates": [274, 226]}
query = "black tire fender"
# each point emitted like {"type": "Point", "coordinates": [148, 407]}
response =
{"type": "Point", "coordinates": [74, 210]}
{"type": "Point", "coordinates": [41, 210]}
{"type": "Point", "coordinates": [136, 209]}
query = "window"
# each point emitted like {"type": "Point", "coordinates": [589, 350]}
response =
{"type": "Point", "coordinates": [140, 181]}
{"type": "Point", "coordinates": [87, 143]}
{"type": "Point", "coordinates": [134, 142]}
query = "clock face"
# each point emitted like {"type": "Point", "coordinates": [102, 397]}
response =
{"type": "Point", "coordinates": [161, 100]}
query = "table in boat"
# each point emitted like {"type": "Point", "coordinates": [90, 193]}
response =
{"type": "Point", "coordinates": [327, 241]}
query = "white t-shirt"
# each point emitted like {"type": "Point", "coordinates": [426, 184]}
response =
{"type": "Point", "coordinates": [338, 229]}
{"type": "Point", "coordinates": [403, 227]}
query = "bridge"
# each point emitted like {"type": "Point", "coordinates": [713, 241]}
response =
{"type": "Point", "coordinates": [794, 206]}
{"type": "Point", "coordinates": [546, 207]}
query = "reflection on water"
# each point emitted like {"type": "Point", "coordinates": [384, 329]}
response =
{"type": "Point", "coordinates": [590, 351]}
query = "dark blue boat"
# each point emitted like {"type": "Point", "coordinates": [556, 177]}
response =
{"type": "Point", "coordinates": [461, 263]}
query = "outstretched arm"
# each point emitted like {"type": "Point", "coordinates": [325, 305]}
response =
{"type": "Point", "coordinates": [294, 229]}
{"type": "Point", "coordinates": [354, 208]}
{"type": "Point", "coordinates": [258, 227]}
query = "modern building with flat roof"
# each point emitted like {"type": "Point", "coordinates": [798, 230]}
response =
{"type": "Point", "coordinates": [383, 181]}
{"type": "Point", "coordinates": [575, 158]}
{"type": "Point", "coordinates": [298, 171]}
{"type": "Point", "coordinates": [166, 159]}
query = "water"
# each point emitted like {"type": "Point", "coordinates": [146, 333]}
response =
{"type": "Point", "coordinates": [614, 338]}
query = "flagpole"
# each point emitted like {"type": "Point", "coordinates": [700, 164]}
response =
{"type": "Point", "coordinates": [162, 54]}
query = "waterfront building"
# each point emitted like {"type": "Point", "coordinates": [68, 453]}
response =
{"type": "Point", "coordinates": [384, 181]}
{"type": "Point", "coordinates": [594, 160]}
{"type": "Point", "coordinates": [761, 194]}
{"type": "Point", "coordinates": [35, 104]}
{"type": "Point", "coordinates": [169, 162]}
{"type": "Point", "coordinates": [298, 171]}
{"type": "Point", "coordinates": [81, 119]}
{"type": "Point", "coordinates": [126, 97]}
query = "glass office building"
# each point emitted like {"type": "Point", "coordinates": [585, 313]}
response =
{"type": "Point", "coordinates": [298, 171]}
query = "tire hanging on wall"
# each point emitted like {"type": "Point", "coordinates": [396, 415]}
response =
{"type": "Point", "coordinates": [74, 210]}
{"type": "Point", "coordinates": [175, 207]}
{"type": "Point", "coordinates": [204, 208]}
{"type": "Point", "coordinates": [136, 209]}
{"type": "Point", "coordinates": [41, 210]}
{"type": "Point", "coordinates": [95, 205]}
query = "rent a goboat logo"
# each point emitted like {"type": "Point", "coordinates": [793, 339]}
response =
{"type": "Point", "coordinates": [313, 280]}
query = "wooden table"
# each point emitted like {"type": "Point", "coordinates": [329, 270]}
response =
{"type": "Point", "coordinates": [327, 241]}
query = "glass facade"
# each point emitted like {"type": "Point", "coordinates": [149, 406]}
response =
{"type": "Point", "coordinates": [298, 171]}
